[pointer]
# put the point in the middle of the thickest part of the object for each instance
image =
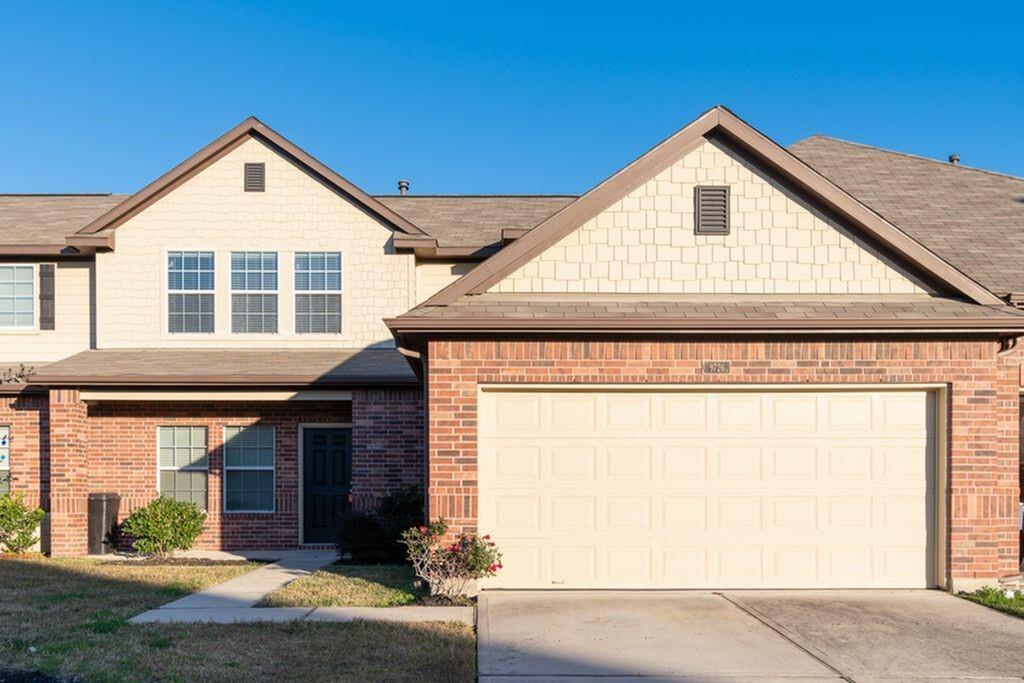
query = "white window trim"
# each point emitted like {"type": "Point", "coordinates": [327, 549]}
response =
{"type": "Point", "coordinates": [225, 468]}
{"type": "Point", "coordinates": [160, 468]}
{"type": "Point", "coordinates": [296, 293]}
{"type": "Point", "coordinates": [6, 467]}
{"type": "Point", "coordinates": [232, 291]}
{"type": "Point", "coordinates": [168, 291]}
{"type": "Point", "coordinates": [34, 327]}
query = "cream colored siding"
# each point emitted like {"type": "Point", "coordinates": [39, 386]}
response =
{"type": "Point", "coordinates": [433, 276]}
{"type": "Point", "coordinates": [708, 489]}
{"type": "Point", "coordinates": [211, 212]}
{"type": "Point", "coordinates": [645, 243]}
{"type": "Point", "coordinates": [72, 319]}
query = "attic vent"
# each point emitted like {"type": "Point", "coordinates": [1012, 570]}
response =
{"type": "Point", "coordinates": [711, 210]}
{"type": "Point", "coordinates": [255, 177]}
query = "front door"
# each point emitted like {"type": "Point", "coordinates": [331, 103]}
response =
{"type": "Point", "coordinates": [326, 480]}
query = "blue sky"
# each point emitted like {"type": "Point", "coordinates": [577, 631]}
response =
{"type": "Point", "coordinates": [491, 97]}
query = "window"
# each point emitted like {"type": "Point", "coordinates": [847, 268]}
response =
{"type": "Point", "coordinates": [5, 460]}
{"type": "Point", "coordinates": [182, 462]}
{"type": "Point", "coordinates": [318, 292]}
{"type": "Point", "coordinates": [711, 210]}
{"type": "Point", "coordinates": [17, 296]}
{"type": "Point", "coordinates": [253, 291]}
{"type": "Point", "coordinates": [255, 177]}
{"type": "Point", "coordinates": [249, 469]}
{"type": "Point", "coordinates": [188, 274]}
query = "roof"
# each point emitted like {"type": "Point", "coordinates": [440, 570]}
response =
{"type": "Point", "coordinates": [228, 367]}
{"type": "Point", "coordinates": [99, 230]}
{"type": "Point", "coordinates": [45, 220]}
{"type": "Point", "coordinates": [719, 313]}
{"type": "Point", "coordinates": [474, 220]}
{"type": "Point", "coordinates": [973, 218]}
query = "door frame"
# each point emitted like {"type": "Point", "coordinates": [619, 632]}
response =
{"type": "Point", "coordinates": [301, 450]}
{"type": "Point", "coordinates": [938, 394]}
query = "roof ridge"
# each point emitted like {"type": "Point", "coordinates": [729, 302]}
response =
{"type": "Point", "coordinates": [57, 194]}
{"type": "Point", "coordinates": [944, 164]}
{"type": "Point", "coordinates": [481, 196]}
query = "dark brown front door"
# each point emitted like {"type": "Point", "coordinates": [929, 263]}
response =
{"type": "Point", "coordinates": [326, 480]}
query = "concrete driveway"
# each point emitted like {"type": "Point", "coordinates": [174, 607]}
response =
{"type": "Point", "coordinates": [745, 636]}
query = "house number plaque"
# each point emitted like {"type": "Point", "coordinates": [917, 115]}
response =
{"type": "Point", "coordinates": [716, 367]}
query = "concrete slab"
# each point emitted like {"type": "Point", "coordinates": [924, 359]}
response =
{"type": "Point", "coordinates": [249, 588]}
{"type": "Point", "coordinates": [221, 616]}
{"type": "Point", "coordinates": [409, 614]}
{"type": "Point", "coordinates": [611, 634]}
{"type": "Point", "coordinates": [897, 635]}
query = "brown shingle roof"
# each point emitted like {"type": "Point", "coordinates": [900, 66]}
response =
{"type": "Point", "coordinates": [973, 219]}
{"type": "Point", "coordinates": [471, 220]}
{"type": "Point", "coordinates": [38, 220]}
{"type": "Point", "coordinates": [227, 367]}
{"type": "Point", "coordinates": [504, 311]}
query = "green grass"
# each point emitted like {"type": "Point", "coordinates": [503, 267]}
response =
{"type": "Point", "coordinates": [68, 618]}
{"type": "Point", "coordinates": [342, 585]}
{"type": "Point", "coordinates": [996, 599]}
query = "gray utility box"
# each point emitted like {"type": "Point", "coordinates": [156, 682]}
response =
{"type": "Point", "coordinates": [103, 509]}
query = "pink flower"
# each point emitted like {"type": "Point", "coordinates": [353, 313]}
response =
{"type": "Point", "coordinates": [423, 529]}
{"type": "Point", "coordinates": [487, 537]}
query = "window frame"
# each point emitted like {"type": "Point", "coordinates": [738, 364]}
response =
{"type": "Point", "coordinates": [160, 468]}
{"type": "Point", "coordinates": [340, 292]}
{"type": "Point", "coordinates": [168, 292]}
{"type": "Point", "coordinates": [6, 451]}
{"type": "Point", "coordinates": [225, 467]}
{"type": "Point", "coordinates": [34, 327]}
{"type": "Point", "coordinates": [275, 292]}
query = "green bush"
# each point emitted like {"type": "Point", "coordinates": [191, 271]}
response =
{"type": "Point", "coordinates": [18, 523]}
{"type": "Point", "coordinates": [450, 566]}
{"type": "Point", "coordinates": [375, 537]}
{"type": "Point", "coordinates": [164, 525]}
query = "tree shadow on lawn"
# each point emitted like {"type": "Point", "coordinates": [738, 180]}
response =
{"type": "Point", "coordinates": [68, 619]}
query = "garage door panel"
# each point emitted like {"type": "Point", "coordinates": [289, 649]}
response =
{"type": "Point", "coordinates": [658, 494]}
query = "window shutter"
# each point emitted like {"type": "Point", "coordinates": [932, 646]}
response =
{"type": "Point", "coordinates": [255, 177]}
{"type": "Point", "coordinates": [46, 297]}
{"type": "Point", "coordinates": [711, 210]}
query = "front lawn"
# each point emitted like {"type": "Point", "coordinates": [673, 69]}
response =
{"type": "Point", "coordinates": [343, 585]}
{"type": "Point", "coordinates": [68, 618]}
{"type": "Point", "coordinates": [996, 599]}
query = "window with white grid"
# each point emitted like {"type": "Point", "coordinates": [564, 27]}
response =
{"type": "Point", "coordinates": [190, 286]}
{"type": "Point", "coordinates": [249, 469]}
{"type": "Point", "coordinates": [17, 296]}
{"type": "Point", "coordinates": [182, 464]}
{"type": "Point", "coordinates": [318, 292]}
{"type": "Point", "coordinates": [253, 291]}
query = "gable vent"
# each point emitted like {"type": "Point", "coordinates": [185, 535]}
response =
{"type": "Point", "coordinates": [711, 210]}
{"type": "Point", "coordinates": [255, 177]}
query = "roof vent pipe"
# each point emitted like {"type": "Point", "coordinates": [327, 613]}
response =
{"type": "Point", "coordinates": [403, 186]}
{"type": "Point", "coordinates": [954, 159]}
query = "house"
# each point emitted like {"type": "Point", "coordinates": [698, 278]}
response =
{"type": "Point", "coordinates": [728, 365]}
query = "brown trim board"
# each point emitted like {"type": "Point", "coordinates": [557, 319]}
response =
{"type": "Point", "coordinates": [252, 381]}
{"type": "Point", "coordinates": [717, 119]}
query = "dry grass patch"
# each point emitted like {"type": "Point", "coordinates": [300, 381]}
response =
{"type": "Point", "coordinates": [342, 585]}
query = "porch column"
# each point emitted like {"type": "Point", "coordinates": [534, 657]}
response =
{"type": "Point", "coordinates": [69, 484]}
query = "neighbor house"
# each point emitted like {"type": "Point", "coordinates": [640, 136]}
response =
{"type": "Point", "coordinates": [728, 365]}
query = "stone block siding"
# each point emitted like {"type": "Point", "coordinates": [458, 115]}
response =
{"type": "Point", "coordinates": [645, 242]}
{"type": "Point", "coordinates": [983, 477]}
{"type": "Point", "coordinates": [119, 445]}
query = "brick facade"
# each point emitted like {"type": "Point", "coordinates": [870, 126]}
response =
{"type": "Point", "coordinates": [981, 415]}
{"type": "Point", "coordinates": [112, 446]}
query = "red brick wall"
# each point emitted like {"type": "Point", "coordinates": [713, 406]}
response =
{"type": "Point", "coordinates": [69, 473]}
{"type": "Point", "coordinates": [28, 416]}
{"type": "Point", "coordinates": [119, 442]}
{"type": "Point", "coordinates": [982, 412]}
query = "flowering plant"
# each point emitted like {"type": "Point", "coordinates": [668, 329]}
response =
{"type": "Point", "coordinates": [448, 566]}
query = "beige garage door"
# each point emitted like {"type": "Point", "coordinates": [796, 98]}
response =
{"type": "Point", "coordinates": [727, 489]}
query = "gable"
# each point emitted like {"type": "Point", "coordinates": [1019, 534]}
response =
{"type": "Point", "coordinates": [645, 242]}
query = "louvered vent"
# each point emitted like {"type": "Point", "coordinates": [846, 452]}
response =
{"type": "Point", "coordinates": [255, 177]}
{"type": "Point", "coordinates": [712, 210]}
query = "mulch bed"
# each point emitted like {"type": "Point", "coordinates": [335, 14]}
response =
{"type": "Point", "coordinates": [441, 601]}
{"type": "Point", "coordinates": [181, 562]}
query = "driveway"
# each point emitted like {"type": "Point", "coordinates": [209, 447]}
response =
{"type": "Point", "coordinates": [745, 635]}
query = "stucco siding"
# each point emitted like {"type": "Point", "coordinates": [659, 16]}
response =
{"type": "Point", "coordinates": [645, 242]}
{"type": "Point", "coordinates": [72, 320]}
{"type": "Point", "coordinates": [211, 212]}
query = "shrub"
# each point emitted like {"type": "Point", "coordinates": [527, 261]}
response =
{"type": "Point", "coordinates": [164, 525]}
{"type": "Point", "coordinates": [449, 567]}
{"type": "Point", "coordinates": [18, 523]}
{"type": "Point", "coordinates": [375, 537]}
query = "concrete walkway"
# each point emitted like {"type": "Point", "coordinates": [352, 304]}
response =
{"type": "Point", "coordinates": [234, 601]}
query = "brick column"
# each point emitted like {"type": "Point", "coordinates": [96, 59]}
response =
{"type": "Point", "coordinates": [387, 442]}
{"type": "Point", "coordinates": [69, 475]}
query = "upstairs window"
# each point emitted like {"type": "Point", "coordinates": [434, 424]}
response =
{"type": "Point", "coordinates": [253, 292]}
{"type": "Point", "coordinates": [189, 275]}
{"type": "Point", "coordinates": [17, 296]}
{"type": "Point", "coordinates": [318, 292]}
{"type": "Point", "coordinates": [182, 464]}
{"type": "Point", "coordinates": [711, 210]}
